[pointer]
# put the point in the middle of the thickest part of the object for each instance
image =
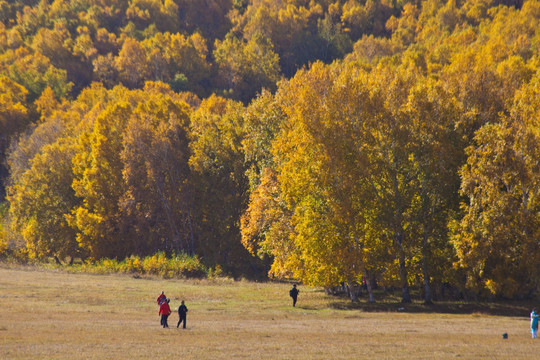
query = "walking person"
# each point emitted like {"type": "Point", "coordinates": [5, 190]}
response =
{"type": "Point", "coordinates": [534, 323]}
{"type": "Point", "coordinates": [294, 294]}
{"type": "Point", "coordinates": [182, 314]}
{"type": "Point", "coordinates": [165, 311]}
{"type": "Point", "coordinates": [161, 298]}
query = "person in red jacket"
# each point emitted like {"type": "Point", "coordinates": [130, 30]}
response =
{"type": "Point", "coordinates": [165, 311]}
{"type": "Point", "coordinates": [161, 298]}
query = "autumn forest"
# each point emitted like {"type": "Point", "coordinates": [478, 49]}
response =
{"type": "Point", "coordinates": [390, 142]}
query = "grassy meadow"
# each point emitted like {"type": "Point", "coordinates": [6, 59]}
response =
{"type": "Point", "coordinates": [56, 315]}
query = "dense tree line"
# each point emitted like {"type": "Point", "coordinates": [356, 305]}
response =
{"type": "Point", "coordinates": [230, 48]}
{"type": "Point", "coordinates": [334, 142]}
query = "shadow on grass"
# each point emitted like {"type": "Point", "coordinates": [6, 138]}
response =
{"type": "Point", "coordinates": [499, 308]}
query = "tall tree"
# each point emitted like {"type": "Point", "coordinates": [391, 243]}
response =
{"type": "Point", "coordinates": [132, 63]}
{"type": "Point", "coordinates": [319, 161]}
{"type": "Point", "coordinates": [98, 180]}
{"type": "Point", "coordinates": [496, 239]}
{"type": "Point", "coordinates": [436, 153]}
{"type": "Point", "coordinates": [245, 68]}
{"type": "Point", "coordinates": [158, 200]}
{"type": "Point", "coordinates": [217, 163]}
{"type": "Point", "coordinates": [14, 117]}
{"type": "Point", "coordinates": [41, 200]}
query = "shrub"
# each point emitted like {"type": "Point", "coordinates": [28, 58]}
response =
{"type": "Point", "coordinates": [156, 264]}
{"type": "Point", "coordinates": [215, 273]}
{"type": "Point", "coordinates": [3, 233]}
{"type": "Point", "coordinates": [3, 242]}
{"type": "Point", "coordinates": [132, 264]}
{"type": "Point", "coordinates": [177, 266]}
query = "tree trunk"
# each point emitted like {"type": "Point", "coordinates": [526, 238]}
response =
{"type": "Point", "coordinates": [442, 292]}
{"type": "Point", "coordinates": [405, 294]}
{"type": "Point", "coordinates": [369, 288]}
{"type": "Point", "coordinates": [427, 299]}
{"type": "Point", "coordinates": [177, 242]}
{"type": "Point", "coordinates": [191, 233]}
{"type": "Point", "coordinates": [352, 291]}
{"type": "Point", "coordinates": [425, 272]}
{"type": "Point", "coordinates": [328, 290]}
{"type": "Point", "coordinates": [399, 236]}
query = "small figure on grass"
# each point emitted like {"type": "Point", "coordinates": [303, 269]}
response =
{"type": "Point", "coordinates": [161, 298]}
{"type": "Point", "coordinates": [182, 314]}
{"type": "Point", "coordinates": [534, 323]}
{"type": "Point", "coordinates": [294, 294]}
{"type": "Point", "coordinates": [165, 311]}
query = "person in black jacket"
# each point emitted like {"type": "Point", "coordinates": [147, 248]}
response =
{"type": "Point", "coordinates": [294, 294]}
{"type": "Point", "coordinates": [182, 313]}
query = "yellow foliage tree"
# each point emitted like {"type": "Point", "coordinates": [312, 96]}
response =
{"type": "Point", "coordinates": [496, 239]}
{"type": "Point", "coordinates": [41, 199]}
{"type": "Point", "coordinates": [98, 181]}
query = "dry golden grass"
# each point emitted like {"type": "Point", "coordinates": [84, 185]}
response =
{"type": "Point", "coordinates": [55, 315]}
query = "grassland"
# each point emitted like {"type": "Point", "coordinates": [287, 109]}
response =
{"type": "Point", "coordinates": [55, 315]}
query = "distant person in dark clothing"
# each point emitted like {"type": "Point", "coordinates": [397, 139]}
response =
{"type": "Point", "coordinates": [182, 314]}
{"type": "Point", "coordinates": [294, 294]}
{"type": "Point", "coordinates": [164, 311]}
